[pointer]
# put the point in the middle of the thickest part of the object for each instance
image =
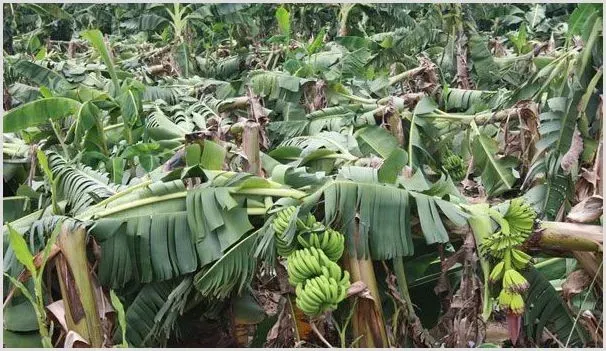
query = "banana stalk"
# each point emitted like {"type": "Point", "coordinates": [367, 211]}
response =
{"type": "Point", "coordinates": [368, 322]}
{"type": "Point", "coordinates": [481, 227]}
{"type": "Point", "coordinates": [77, 287]}
{"type": "Point", "coordinates": [250, 144]}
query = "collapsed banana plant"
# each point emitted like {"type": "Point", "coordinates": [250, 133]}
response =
{"type": "Point", "coordinates": [173, 147]}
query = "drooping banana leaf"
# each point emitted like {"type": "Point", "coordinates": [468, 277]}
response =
{"type": "Point", "coordinates": [546, 309]}
{"type": "Point", "coordinates": [38, 112]}
{"type": "Point", "coordinates": [173, 239]}
{"type": "Point", "coordinates": [151, 315]}
{"type": "Point", "coordinates": [231, 272]}
{"type": "Point", "coordinates": [384, 215]}
{"type": "Point", "coordinates": [496, 173]}
{"type": "Point", "coordinates": [81, 186]}
{"type": "Point", "coordinates": [144, 249]}
{"type": "Point", "coordinates": [95, 37]}
{"type": "Point", "coordinates": [42, 76]}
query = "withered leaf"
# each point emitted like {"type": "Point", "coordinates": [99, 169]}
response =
{"type": "Point", "coordinates": [587, 211]}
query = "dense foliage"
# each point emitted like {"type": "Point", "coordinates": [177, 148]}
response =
{"type": "Point", "coordinates": [375, 175]}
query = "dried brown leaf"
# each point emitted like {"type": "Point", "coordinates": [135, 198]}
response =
{"type": "Point", "coordinates": [73, 340]}
{"type": "Point", "coordinates": [359, 289]}
{"type": "Point", "coordinates": [57, 310]}
{"type": "Point", "coordinates": [282, 326]}
{"type": "Point", "coordinates": [269, 300]}
{"type": "Point", "coordinates": [593, 326]}
{"type": "Point", "coordinates": [576, 282]}
{"type": "Point", "coordinates": [421, 336]}
{"type": "Point", "coordinates": [550, 44]}
{"type": "Point", "coordinates": [497, 47]}
{"type": "Point", "coordinates": [461, 325]}
{"type": "Point", "coordinates": [587, 184]}
{"type": "Point", "coordinates": [463, 80]}
{"type": "Point", "coordinates": [572, 155]}
{"type": "Point", "coordinates": [586, 211]}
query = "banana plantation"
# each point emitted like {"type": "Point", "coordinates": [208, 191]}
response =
{"type": "Point", "coordinates": [302, 175]}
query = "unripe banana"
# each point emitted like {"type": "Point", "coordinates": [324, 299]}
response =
{"type": "Point", "coordinates": [280, 224]}
{"type": "Point", "coordinates": [334, 287]}
{"type": "Point", "coordinates": [454, 165]}
{"type": "Point", "coordinates": [320, 282]}
{"type": "Point", "coordinates": [330, 241]}
{"type": "Point", "coordinates": [324, 285]}
{"type": "Point", "coordinates": [345, 281]}
{"type": "Point", "coordinates": [497, 272]}
{"type": "Point", "coordinates": [505, 298]}
{"type": "Point", "coordinates": [319, 293]}
{"type": "Point", "coordinates": [514, 281]}
{"type": "Point", "coordinates": [520, 217]}
{"type": "Point", "coordinates": [516, 305]}
{"type": "Point", "coordinates": [520, 259]}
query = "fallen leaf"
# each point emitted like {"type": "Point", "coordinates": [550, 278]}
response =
{"type": "Point", "coordinates": [73, 340]}
{"type": "Point", "coordinates": [593, 326]}
{"type": "Point", "coordinates": [360, 289]}
{"type": "Point", "coordinates": [572, 155]}
{"type": "Point", "coordinates": [274, 331]}
{"type": "Point", "coordinates": [586, 184]}
{"type": "Point", "coordinates": [576, 282]}
{"type": "Point", "coordinates": [269, 300]}
{"type": "Point", "coordinates": [57, 309]}
{"type": "Point", "coordinates": [587, 210]}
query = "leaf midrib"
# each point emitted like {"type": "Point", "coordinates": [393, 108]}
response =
{"type": "Point", "coordinates": [492, 160]}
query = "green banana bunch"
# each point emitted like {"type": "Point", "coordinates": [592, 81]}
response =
{"type": "Point", "coordinates": [330, 241]}
{"type": "Point", "coordinates": [280, 224]}
{"type": "Point", "coordinates": [454, 165]}
{"type": "Point", "coordinates": [320, 294]}
{"type": "Point", "coordinates": [514, 281]}
{"type": "Point", "coordinates": [515, 225]}
{"type": "Point", "coordinates": [309, 225]}
{"type": "Point", "coordinates": [307, 263]}
{"type": "Point", "coordinates": [512, 302]}
{"type": "Point", "coordinates": [320, 282]}
{"type": "Point", "coordinates": [520, 217]}
{"type": "Point", "coordinates": [520, 259]}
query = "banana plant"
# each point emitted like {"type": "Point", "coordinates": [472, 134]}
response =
{"type": "Point", "coordinates": [216, 167]}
